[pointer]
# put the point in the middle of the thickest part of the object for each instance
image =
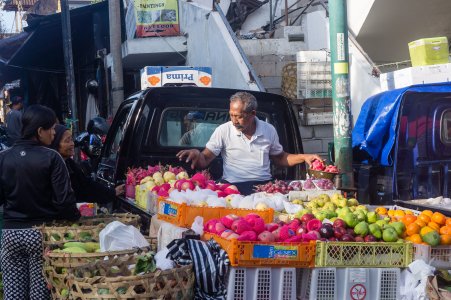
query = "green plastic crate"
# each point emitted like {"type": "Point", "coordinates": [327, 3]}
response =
{"type": "Point", "coordinates": [372, 255]}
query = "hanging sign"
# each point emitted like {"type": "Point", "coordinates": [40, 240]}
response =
{"type": "Point", "coordinates": [156, 18]}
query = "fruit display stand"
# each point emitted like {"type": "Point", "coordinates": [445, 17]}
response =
{"type": "Point", "coordinates": [374, 255]}
{"type": "Point", "coordinates": [114, 279]}
{"type": "Point", "coordinates": [266, 254]}
{"type": "Point", "coordinates": [419, 207]}
{"type": "Point", "coordinates": [183, 215]}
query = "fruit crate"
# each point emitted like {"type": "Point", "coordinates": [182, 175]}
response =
{"type": "Point", "coordinates": [258, 254]}
{"type": "Point", "coordinates": [348, 283]}
{"type": "Point", "coordinates": [439, 256]}
{"type": "Point", "coordinates": [183, 215]}
{"type": "Point", "coordinates": [261, 283]}
{"type": "Point", "coordinates": [353, 254]}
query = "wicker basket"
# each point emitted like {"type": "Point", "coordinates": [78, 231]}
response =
{"type": "Point", "coordinates": [58, 266]}
{"type": "Point", "coordinates": [126, 218]}
{"type": "Point", "coordinates": [86, 229]}
{"type": "Point", "coordinates": [176, 283]}
{"type": "Point", "coordinates": [289, 81]}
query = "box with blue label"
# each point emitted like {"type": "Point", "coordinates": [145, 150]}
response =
{"type": "Point", "coordinates": [153, 76]}
{"type": "Point", "coordinates": [258, 254]}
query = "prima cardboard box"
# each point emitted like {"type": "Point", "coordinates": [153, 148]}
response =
{"type": "Point", "coordinates": [175, 76]}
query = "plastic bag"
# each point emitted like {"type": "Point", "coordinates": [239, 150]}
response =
{"type": "Point", "coordinates": [117, 236]}
{"type": "Point", "coordinates": [198, 225]}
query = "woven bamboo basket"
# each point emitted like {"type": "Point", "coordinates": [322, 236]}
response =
{"type": "Point", "coordinates": [57, 235]}
{"type": "Point", "coordinates": [113, 280]}
{"type": "Point", "coordinates": [58, 266]}
{"type": "Point", "coordinates": [289, 81]}
{"type": "Point", "coordinates": [86, 229]}
{"type": "Point", "coordinates": [126, 218]}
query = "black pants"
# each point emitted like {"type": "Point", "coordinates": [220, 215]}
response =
{"type": "Point", "coordinates": [246, 188]}
{"type": "Point", "coordinates": [22, 262]}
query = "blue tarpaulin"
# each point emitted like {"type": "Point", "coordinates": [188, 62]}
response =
{"type": "Point", "coordinates": [375, 129]}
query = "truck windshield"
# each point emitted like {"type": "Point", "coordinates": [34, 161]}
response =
{"type": "Point", "coordinates": [182, 127]}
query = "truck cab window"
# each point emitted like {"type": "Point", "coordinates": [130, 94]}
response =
{"type": "Point", "coordinates": [182, 127]}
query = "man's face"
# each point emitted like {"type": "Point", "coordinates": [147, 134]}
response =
{"type": "Point", "coordinates": [240, 119]}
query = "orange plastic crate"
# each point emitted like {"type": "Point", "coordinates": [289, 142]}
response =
{"type": "Point", "coordinates": [183, 215]}
{"type": "Point", "coordinates": [260, 254]}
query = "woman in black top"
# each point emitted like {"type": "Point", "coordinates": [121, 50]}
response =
{"type": "Point", "coordinates": [86, 189]}
{"type": "Point", "coordinates": [34, 188]}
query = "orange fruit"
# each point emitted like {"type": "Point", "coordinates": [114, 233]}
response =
{"type": "Point", "coordinates": [416, 238]}
{"type": "Point", "coordinates": [412, 228]}
{"type": "Point", "coordinates": [425, 230]}
{"type": "Point", "coordinates": [445, 230]}
{"type": "Point", "coordinates": [439, 218]}
{"type": "Point", "coordinates": [409, 212]}
{"type": "Point", "coordinates": [445, 239]}
{"type": "Point", "coordinates": [448, 222]}
{"type": "Point", "coordinates": [427, 212]}
{"type": "Point", "coordinates": [425, 218]}
{"type": "Point", "coordinates": [391, 212]}
{"type": "Point", "coordinates": [381, 210]}
{"type": "Point", "coordinates": [434, 226]}
{"type": "Point", "coordinates": [399, 213]}
{"type": "Point", "coordinates": [420, 223]}
{"type": "Point", "coordinates": [408, 219]}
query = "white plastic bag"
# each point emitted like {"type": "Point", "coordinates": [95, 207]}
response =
{"type": "Point", "coordinates": [117, 236]}
{"type": "Point", "coordinates": [198, 225]}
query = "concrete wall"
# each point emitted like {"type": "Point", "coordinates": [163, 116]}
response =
{"type": "Point", "coordinates": [315, 139]}
{"type": "Point", "coordinates": [210, 44]}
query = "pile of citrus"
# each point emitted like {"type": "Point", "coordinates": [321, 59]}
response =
{"type": "Point", "coordinates": [428, 228]}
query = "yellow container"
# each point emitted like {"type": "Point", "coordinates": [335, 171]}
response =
{"type": "Point", "coordinates": [429, 51]}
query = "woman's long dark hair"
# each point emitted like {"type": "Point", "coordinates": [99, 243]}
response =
{"type": "Point", "coordinates": [34, 117]}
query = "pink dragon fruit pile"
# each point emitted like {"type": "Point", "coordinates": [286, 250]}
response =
{"type": "Point", "coordinates": [318, 165]}
{"type": "Point", "coordinates": [252, 228]}
{"type": "Point", "coordinates": [201, 180]}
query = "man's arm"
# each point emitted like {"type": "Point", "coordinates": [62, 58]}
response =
{"type": "Point", "coordinates": [200, 160]}
{"type": "Point", "coordinates": [288, 160]}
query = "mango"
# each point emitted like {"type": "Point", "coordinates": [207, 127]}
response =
{"type": "Point", "coordinates": [432, 238]}
{"type": "Point", "coordinates": [389, 235]}
{"type": "Point", "coordinates": [74, 244]}
{"type": "Point", "coordinates": [399, 227]}
{"type": "Point", "coordinates": [361, 229]}
{"type": "Point", "coordinates": [74, 250]}
{"type": "Point", "coordinates": [91, 246]}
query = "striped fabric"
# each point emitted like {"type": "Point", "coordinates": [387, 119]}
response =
{"type": "Point", "coordinates": [211, 265]}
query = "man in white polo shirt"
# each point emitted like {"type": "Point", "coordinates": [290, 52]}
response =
{"type": "Point", "coordinates": [246, 145]}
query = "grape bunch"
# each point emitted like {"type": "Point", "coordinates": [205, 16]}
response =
{"type": "Point", "coordinates": [309, 185]}
{"type": "Point", "coordinates": [324, 184]}
{"type": "Point", "coordinates": [278, 186]}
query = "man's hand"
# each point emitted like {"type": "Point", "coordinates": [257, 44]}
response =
{"type": "Point", "coordinates": [191, 155]}
{"type": "Point", "coordinates": [309, 158]}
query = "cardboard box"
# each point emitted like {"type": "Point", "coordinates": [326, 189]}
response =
{"type": "Point", "coordinates": [175, 76]}
{"type": "Point", "coordinates": [415, 75]}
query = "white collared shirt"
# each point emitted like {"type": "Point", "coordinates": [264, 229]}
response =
{"type": "Point", "coordinates": [245, 159]}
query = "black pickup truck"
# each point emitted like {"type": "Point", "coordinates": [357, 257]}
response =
{"type": "Point", "coordinates": [149, 126]}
